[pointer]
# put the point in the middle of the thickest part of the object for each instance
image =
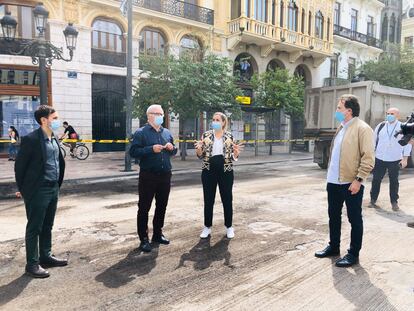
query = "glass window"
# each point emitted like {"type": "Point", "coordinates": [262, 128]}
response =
{"type": "Point", "coordinates": [370, 26]}
{"type": "Point", "coordinates": [260, 10]}
{"type": "Point", "coordinates": [18, 77]}
{"type": "Point", "coordinates": [107, 35]}
{"type": "Point", "coordinates": [310, 23]}
{"type": "Point", "coordinates": [293, 16]}
{"type": "Point", "coordinates": [319, 25]}
{"type": "Point", "coordinates": [354, 20]}
{"type": "Point", "coordinates": [24, 18]}
{"type": "Point", "coordinates": [190, 44]}
{"type": "Point", "coordinates": [384, 31]}
{"type": "Point", "coordinates": [351, 68]}
{"type": "Point", "coordinates": [152, 42]}
{"type": "Point", "coordinates": [17, 111]}
{"type": "Point", "coordinates": [337, 13]}
{"type": "Point", "coordinates": [392, 28]}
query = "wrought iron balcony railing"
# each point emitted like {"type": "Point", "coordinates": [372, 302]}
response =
{"type": "Point", "coordinates": [357, 36]}
{"type": "Point", "coordinates": [180, 9]}
{"type": "Point", "coordinates": [108, 58]}
{"type": "Point", "coordinates": [8, 47]}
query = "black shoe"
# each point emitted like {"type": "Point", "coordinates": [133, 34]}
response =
{"type": "Point", "coordinates": [160, 239]}
{"type": "Point", "coordinates": [347, 261]}
{"type": "Point", "coordinates": [327, 252]}
{"type": "Point", "coordinates": [373, 204]}
{"type": "Point", "coordinates": [145, 246]}
{"type": "Point", "coordinates": [36, 271]}
{"type": "Point", "coordinates": [410, 224]}
{"type": "Point", "coordinates": [52, 261]}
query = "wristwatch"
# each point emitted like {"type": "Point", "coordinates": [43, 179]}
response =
{"type": "Point", "coordinates": [359, 179]}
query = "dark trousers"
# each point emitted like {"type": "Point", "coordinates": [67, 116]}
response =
{"type": "Point", "coordinates": [40, 212]}
{"type": "Point", "coordinates": [378, 174]}
{"type": "Point", "coordinates": [337, 195]}
{"type": "Point", "coordinates": [210, 179]}
{"type": "Point", "coordinates": [152, 185]}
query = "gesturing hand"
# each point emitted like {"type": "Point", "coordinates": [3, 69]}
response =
{"type": "Point", "coordinates": [198, 145]}
{"type": "Point", "coordinates": [157, 148]}
{"type": "Point", "coordinates": [237, 148]}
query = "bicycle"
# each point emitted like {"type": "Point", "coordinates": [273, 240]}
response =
{"type": "Point", "coordinates": [80, 152]}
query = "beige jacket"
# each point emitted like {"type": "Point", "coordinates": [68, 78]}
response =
{"type": "Point", "coordinates": [357, 151]}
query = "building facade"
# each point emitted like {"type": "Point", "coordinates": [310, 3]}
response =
{"type": "Point", "coordinates": [89, 91]}
{"type": "Point", "coordinates": [407, 33]}
{"type": "Point", "coordinates": [391, 23]}
{"type": "Point", "coordinates": [356, 39]}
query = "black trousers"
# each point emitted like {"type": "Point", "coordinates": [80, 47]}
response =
{"type": "Point", "coordinates": [378, 174]}
{"type": "Point", "coordinates": [152, 185]}
{"type": "Point", "coordinates": [337, 195]}
{"type": "Point", "coordinates": [210, 179]}
{"type": "Point", "coordinates": [40, 212]}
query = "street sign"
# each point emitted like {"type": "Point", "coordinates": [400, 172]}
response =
{"type": "Point", "coordinates": [245, 100]}
{"type": "Point", "coordinates": [72, 75]}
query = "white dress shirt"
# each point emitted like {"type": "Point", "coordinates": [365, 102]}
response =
{"type": "Point", "coordinates": [333, 176]}
{"type": "Point", "coordinates": [388, 148]}
{"type": "Point", "coordinates": [217, 146]}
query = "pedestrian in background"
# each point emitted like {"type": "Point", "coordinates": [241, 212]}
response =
{"type": "Point", "coordinates": [39, 172]}
{"type": "Point", "coordinates": [14, 140]}
{"type": "Point", "coordinates": [351, 161]}
{"type": "Point", "coordinates": [71, 134]}
{"type": "Point", "coordinates": [218, 150]}
{"type": "Point", "coordinates": [154, 146]}
{"type": "Point", "coordinates": [389, 156]}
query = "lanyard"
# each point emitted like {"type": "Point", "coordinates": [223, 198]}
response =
{"type": "Point", "coordinates": [392, 132]}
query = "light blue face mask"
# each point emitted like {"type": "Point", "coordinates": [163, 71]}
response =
{"type": "Point", "coordinates": [390, 118]}
{"type": "Point", "coordinates": [339, 116]}
{"type": "Point", "coordinates": [55, 125]}
{"type": "Point", "coordinates": [159, 120]}
{"type": "Point", "coordinates": [215, 125]}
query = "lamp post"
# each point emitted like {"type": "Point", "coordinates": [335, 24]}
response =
{"type": "Point", "coordinates": [39, 49]}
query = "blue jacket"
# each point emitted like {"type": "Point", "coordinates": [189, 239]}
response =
{"type": "Point", "coordinates": [141, 148]}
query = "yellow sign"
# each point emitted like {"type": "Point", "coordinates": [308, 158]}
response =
{"type": "Point", "coordinates": [245, 100]}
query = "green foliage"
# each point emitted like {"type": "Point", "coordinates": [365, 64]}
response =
{"type": "Point", "coordinates": [186, 86]}
{"type": "Point", "coordinates": [281, 90]}
{"type": "Point", "coordinates": [392, 71]}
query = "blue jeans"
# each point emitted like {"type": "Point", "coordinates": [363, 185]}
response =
{"type": "Point", "coordinates": [12, 151]}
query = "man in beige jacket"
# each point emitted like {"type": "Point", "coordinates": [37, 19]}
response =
{"type": "Point", "coordinates": [351, 161]}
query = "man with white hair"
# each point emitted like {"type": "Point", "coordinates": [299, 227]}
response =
{"type": "Point", "coordinates": [153, 145]}
{"type": "Point", "coordinates": [389, 156]}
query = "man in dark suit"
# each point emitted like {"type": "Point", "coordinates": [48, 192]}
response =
{"type": "Point", "coordinates": [39, 172]}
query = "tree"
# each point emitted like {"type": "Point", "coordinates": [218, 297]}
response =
{"type": "Point", "coordinates": [281, 90]}
{"type": "Point", "coordinates": [186, 87]}
{"type": "Point", "coordinates": [391, 71]}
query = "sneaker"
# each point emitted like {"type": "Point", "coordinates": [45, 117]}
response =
{"type": "Point", "coordinates": [230, 232]}
{"type": "Point", "coordinates": [205, 233]}
{"type": "Point", "coordinates": [395, 206]}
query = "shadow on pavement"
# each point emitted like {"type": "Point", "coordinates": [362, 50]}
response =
{"type": "Point", "coordinates": [357, 289]}
{"type": "Point", "coordinates": [10, 291]}
{"type": "Point", "coordinates": [134, 265]}
{"type": "Point", "coordinates": [203, 254]}
{"type": "Point", "coordinates": [399, 216]}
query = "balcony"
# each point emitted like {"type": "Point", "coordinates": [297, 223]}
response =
{"type": "Point", "coordinates": [108, 58]}
{"type": "Point", "coordinates": [14, 46]}
{"type": "Point", "coordinates": [272, 37]}
{"type": "Point", "coordinates": [335, 81]}
{"type": "Point", "coordinates": [357, 36]}
{"type": "Point", "coordinates": [179, 9]}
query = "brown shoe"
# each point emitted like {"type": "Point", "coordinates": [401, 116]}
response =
{"type": "Point", "coordinates": [395, 206]}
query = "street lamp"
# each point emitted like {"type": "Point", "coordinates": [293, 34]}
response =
{"type": "Point", "coordinates": [40, 50]}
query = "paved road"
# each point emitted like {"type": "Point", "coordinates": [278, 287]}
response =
{"type": "Point", "coordinates": [280, 220]}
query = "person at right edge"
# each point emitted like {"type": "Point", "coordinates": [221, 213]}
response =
{"type": "Point", "coordinates": [389, 156]}
{"type": "Point", "coordinates": [351, 161]}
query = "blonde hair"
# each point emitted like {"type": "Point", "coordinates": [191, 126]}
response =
{"type": "Point", "coordinates": [223, 119]}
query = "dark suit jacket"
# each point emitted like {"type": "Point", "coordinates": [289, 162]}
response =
{"type": "Point", "coordinates": [29, 168]}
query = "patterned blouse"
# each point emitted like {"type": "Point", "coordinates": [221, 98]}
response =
{"type": "Point", "coordinates": [208, 141]}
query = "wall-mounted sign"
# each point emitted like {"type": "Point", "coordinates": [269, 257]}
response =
{"type": "Point", "coordinates": [72, 75]}
{"type": "Point", "coordinates": [245, 100]}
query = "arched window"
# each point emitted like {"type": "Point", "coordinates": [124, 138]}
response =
{"type": "Point", "coordinates": [107, 35]}
{"type": "Point", "coordinates": [281, 14]}
{"type": "Point", "coordinates": [384, 31]}
{"type": "Point", "coordinates": [393, 23]}
{"type": "Point", "coordinates": [152, 42]}
{"type": "Point", "coordinates": [303, 21]}
{"type": "Point", "coordinates": [293, 16]}
{"type": "Point", "coordinates": [190, 45]}
{"type": "Point", "coordinates": [310, 23]}
{"type": "Point", "coordinates": [319, 25]}
{"type": "Point", "coordinates": [244, 67]}
{"type": "Point", "coordinates": [275, 64]}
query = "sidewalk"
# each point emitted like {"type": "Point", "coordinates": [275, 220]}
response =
{"type": "Point", "coordinates": [109, 166]}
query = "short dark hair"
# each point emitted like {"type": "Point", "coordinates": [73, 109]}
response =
{"type": "Point", "coordinates": [65, 123]}
{"type": "Point", "coordinates": [43, 111]}
{"type": "Point", "coordinates": [351, 102]}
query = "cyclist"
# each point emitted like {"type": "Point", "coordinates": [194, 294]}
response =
{"type": "Point", "coordinates": [71, 134]}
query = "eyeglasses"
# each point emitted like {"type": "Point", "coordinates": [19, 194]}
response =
{"type": "Point", "coordinates": [158, 114]}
